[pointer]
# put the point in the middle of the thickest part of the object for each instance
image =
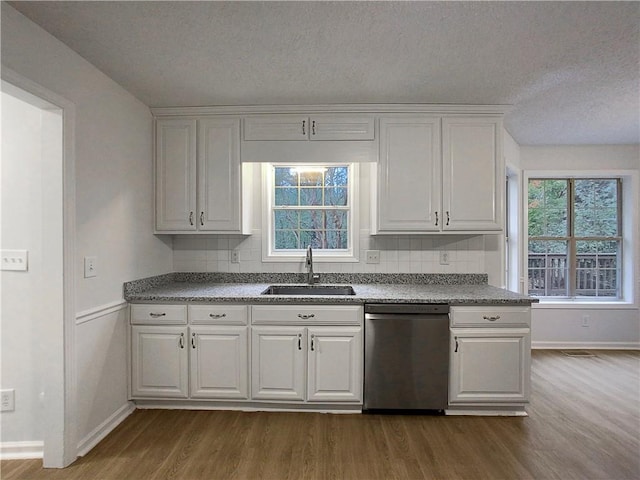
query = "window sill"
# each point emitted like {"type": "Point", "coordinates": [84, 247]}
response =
{"type": "Point", "coordinates": [584, 304]}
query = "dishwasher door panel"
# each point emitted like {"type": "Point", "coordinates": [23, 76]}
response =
{"type": "Point", "coordinates": [406, 362]}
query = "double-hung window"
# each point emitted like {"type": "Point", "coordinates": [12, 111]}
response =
{"type": "Point", "coordinates": [575, 237]}
{"type": "Point", "coordinates": [310, 205]}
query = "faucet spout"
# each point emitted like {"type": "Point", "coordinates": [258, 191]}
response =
{"type": "Point", "coordinates": [311, 277]}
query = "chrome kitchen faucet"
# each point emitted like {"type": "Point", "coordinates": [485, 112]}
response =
{"type": "Point", "coordinates": [311, 277]}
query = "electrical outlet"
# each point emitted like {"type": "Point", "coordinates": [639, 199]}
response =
{"type": "Point", "coordinates": [585, 320]}
{"type": "Point", "coordinates": [444, 257]}
{"type": "Point", "coordinates": [373, 256]}
{"type": "Point", "coordinates": [7, 400]}
{"type": "Point", "coordinates": [14, 260]}
{"type": "Point", "coordinates": [90, 267]}
{"type": "Point", "coordinates": [234, 256]}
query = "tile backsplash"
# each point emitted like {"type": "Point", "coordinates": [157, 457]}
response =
{"type": "Point", "coordinates": [398, 254]}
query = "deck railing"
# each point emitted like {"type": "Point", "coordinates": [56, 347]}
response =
{"type": "Point", "coordinates": [596, 275]}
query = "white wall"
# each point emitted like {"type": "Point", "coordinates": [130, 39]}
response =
{"type": "Point", "coordinates": [610, 326]}
{"type": "Point", "coordinates": [114, 199]}
{"type": "Point", "coordinates": [398, 254]}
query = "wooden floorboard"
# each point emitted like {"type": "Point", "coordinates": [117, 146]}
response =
{"type": "Point", "coordinates": [583, 423]}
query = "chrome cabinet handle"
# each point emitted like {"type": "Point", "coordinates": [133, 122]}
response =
{"type": "Point", "coordinates": [181, 342]}
{"type": "Point", "coordinates": [191, 218]}
{"type": "Point", "coordinates": [303, 130]}
{"type": "Point", "coordinates": [306, 316]}
{"type": "Point", "coordinates": [436, 219]}
{"type": "Point", "coordinates": [299, 341]}
{"type": "Point", "coordinates": [447, 217]}
{"type": "Point", "coordinates": [456, 339]}
{"type": "Point", "coordinates": [193, 340]}
{"type": "Point", "coordinates": [312, 343]}
{"type": "Point", "coordinates": [313, 127]}
{"type": "Point", "coordinates": [157, 315]}
{"type": "Point", "coordinates": [202, 218]}
{"type": "Point", "coordinates": [492, 318]}
{"type": "Point", "coordinates": [217, 315]}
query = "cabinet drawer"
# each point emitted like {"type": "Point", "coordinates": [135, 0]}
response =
{"type": "Point", "coordinates": [307, 314]}
{"type": "Point", "coordinates": [218, 314]}
{"type": "Point", "coordinates": [490, 316]}
{"type": "Point", "coordinates": [159, 314]}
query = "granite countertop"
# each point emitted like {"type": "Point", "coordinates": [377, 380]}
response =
{"type": "Point", "coordinates": [454, 289]}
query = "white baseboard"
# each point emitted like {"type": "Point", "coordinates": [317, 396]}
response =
{"type": "Point", "coordinates": [106, 427]}
{"type": "Point", "coordinates": [585, 345]}
{"type": "Point", "coordinates": [21, 450]}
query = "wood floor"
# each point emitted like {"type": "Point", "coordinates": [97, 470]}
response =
{"type": "Point", "coordinates": [584, 423]}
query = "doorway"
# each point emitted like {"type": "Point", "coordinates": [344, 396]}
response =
{"type": "Point", "coordinates": [37, 312]}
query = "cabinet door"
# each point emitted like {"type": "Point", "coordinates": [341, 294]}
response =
{"type": "Point", "coordinates": [175, 175]}
{"type": "Point", "coordinates": [278, 363]}
{"type": "Point", "coordinates": [159, 362]}
{"type": "Point", "coordinates": [473, 174]}
{"type": "Point", "coordinates": [489, 366]}
{"type": "Point", "coordinates": [335, 364]}
{"type": "Point", "coordinates": [219, 175]}
{"type": "Point", "coordinates": [341, 127]}
{"type": "Point", "coordinates": [276, 127]}
{"type": "Point", "coordinates": [219, 362]}
{"type": "Point", "coordinates": [408, 190]}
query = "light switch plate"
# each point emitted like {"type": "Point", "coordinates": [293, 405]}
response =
{"type": "Point", "coordinates": [14, 260]}
{"type": "Point", "coordinates": [90, 267]}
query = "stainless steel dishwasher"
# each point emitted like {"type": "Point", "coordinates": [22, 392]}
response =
{"type": "Point", "coordinates": [406, 357]}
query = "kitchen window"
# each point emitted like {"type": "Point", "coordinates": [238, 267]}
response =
{"type": "Point", "coordinates": [310, 205]}
{"type": "Point", "coordinates": [575, 238]}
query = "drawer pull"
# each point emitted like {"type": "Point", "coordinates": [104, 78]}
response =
{"type": "Point", "coordinates": [217, 315]}
{"type": "Point", "coordinates": [157, 315]}
{"type": "Point", "coordinates": [305, 316]}
{"type": "Point", "coordinates": [492, 318]}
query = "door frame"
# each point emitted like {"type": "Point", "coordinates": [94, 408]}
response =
{"type": "Point", "coordinates": [60, 433]}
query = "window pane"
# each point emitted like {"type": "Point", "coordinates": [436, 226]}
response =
{"type": "Point", "coordinates": [596, 208]}
{"type": "Point", "coordinates": [286, 219]}
{"type": "Point", "coordinates": [337, 219]}
{"type": "Point", "coordinates": [335, 196]}
{"type": "Point", "coordinates": [311, 179]}
{"type": "Point", "coordinates": [337, 239]}
{"type": "Point", "coordinates": [286, 177]}
{"type": "Point", "coordinates": [548, 268]}
{"type": "Point", "coordinates": [315, 238]}
{"type": "Point", "coordinates": [286, 196]}
{"type": "Point", "coordinates": [597, 268]}
{"type": "Point", "coordinates": [286, 240]}
{"type": "Point", "coordinates": [312, 219]}
{"type": "Point", "coordinates": [336, 176]}
{"type": "Point", "coordinates": [310, 196]}
{"type": "Point", "coordinates": [548, 207]}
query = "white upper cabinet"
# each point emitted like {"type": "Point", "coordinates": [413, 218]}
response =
{"type": "Point", "coordinates": [305, 127]}
{"type": "Point", "coordinates": [473, 174]}
{"type": "Point", "coordinates": [199, 193]}
{"type": "Point", "coordinates": [423, 189]}
{"type": "Point", "coordinates": [219, 175]}
{"type": "Point", "coordinates": [176, 174]}
{"type": "Point", "coordinates": [409, 177]}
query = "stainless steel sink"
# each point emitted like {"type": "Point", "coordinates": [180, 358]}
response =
{"type": "Point", "coordinates": [309, 290]}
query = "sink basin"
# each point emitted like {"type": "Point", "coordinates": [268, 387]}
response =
{"type": "Point", "coordinates": [309, 290]}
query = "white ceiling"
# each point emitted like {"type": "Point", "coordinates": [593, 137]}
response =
{"type": "Point", "coordinates": [571, 70]}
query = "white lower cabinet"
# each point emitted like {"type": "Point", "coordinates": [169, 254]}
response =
{"type": "Point", "coordinates": [219, 366]}
{"type": "Point", "coordinates": [298, 363]}
{"type": "Point", "coordinates": [490, 365]}
{"type": "Point", "coordinates": [159, 359]}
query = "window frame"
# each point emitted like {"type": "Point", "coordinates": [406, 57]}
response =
{"type": "Point", "coordinates": [629, 290]}
{"type": "Point", "coordinates": [270, 254]}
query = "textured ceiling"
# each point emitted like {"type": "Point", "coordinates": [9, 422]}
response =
{"type": "Point", "coordinates": [571, 70]}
